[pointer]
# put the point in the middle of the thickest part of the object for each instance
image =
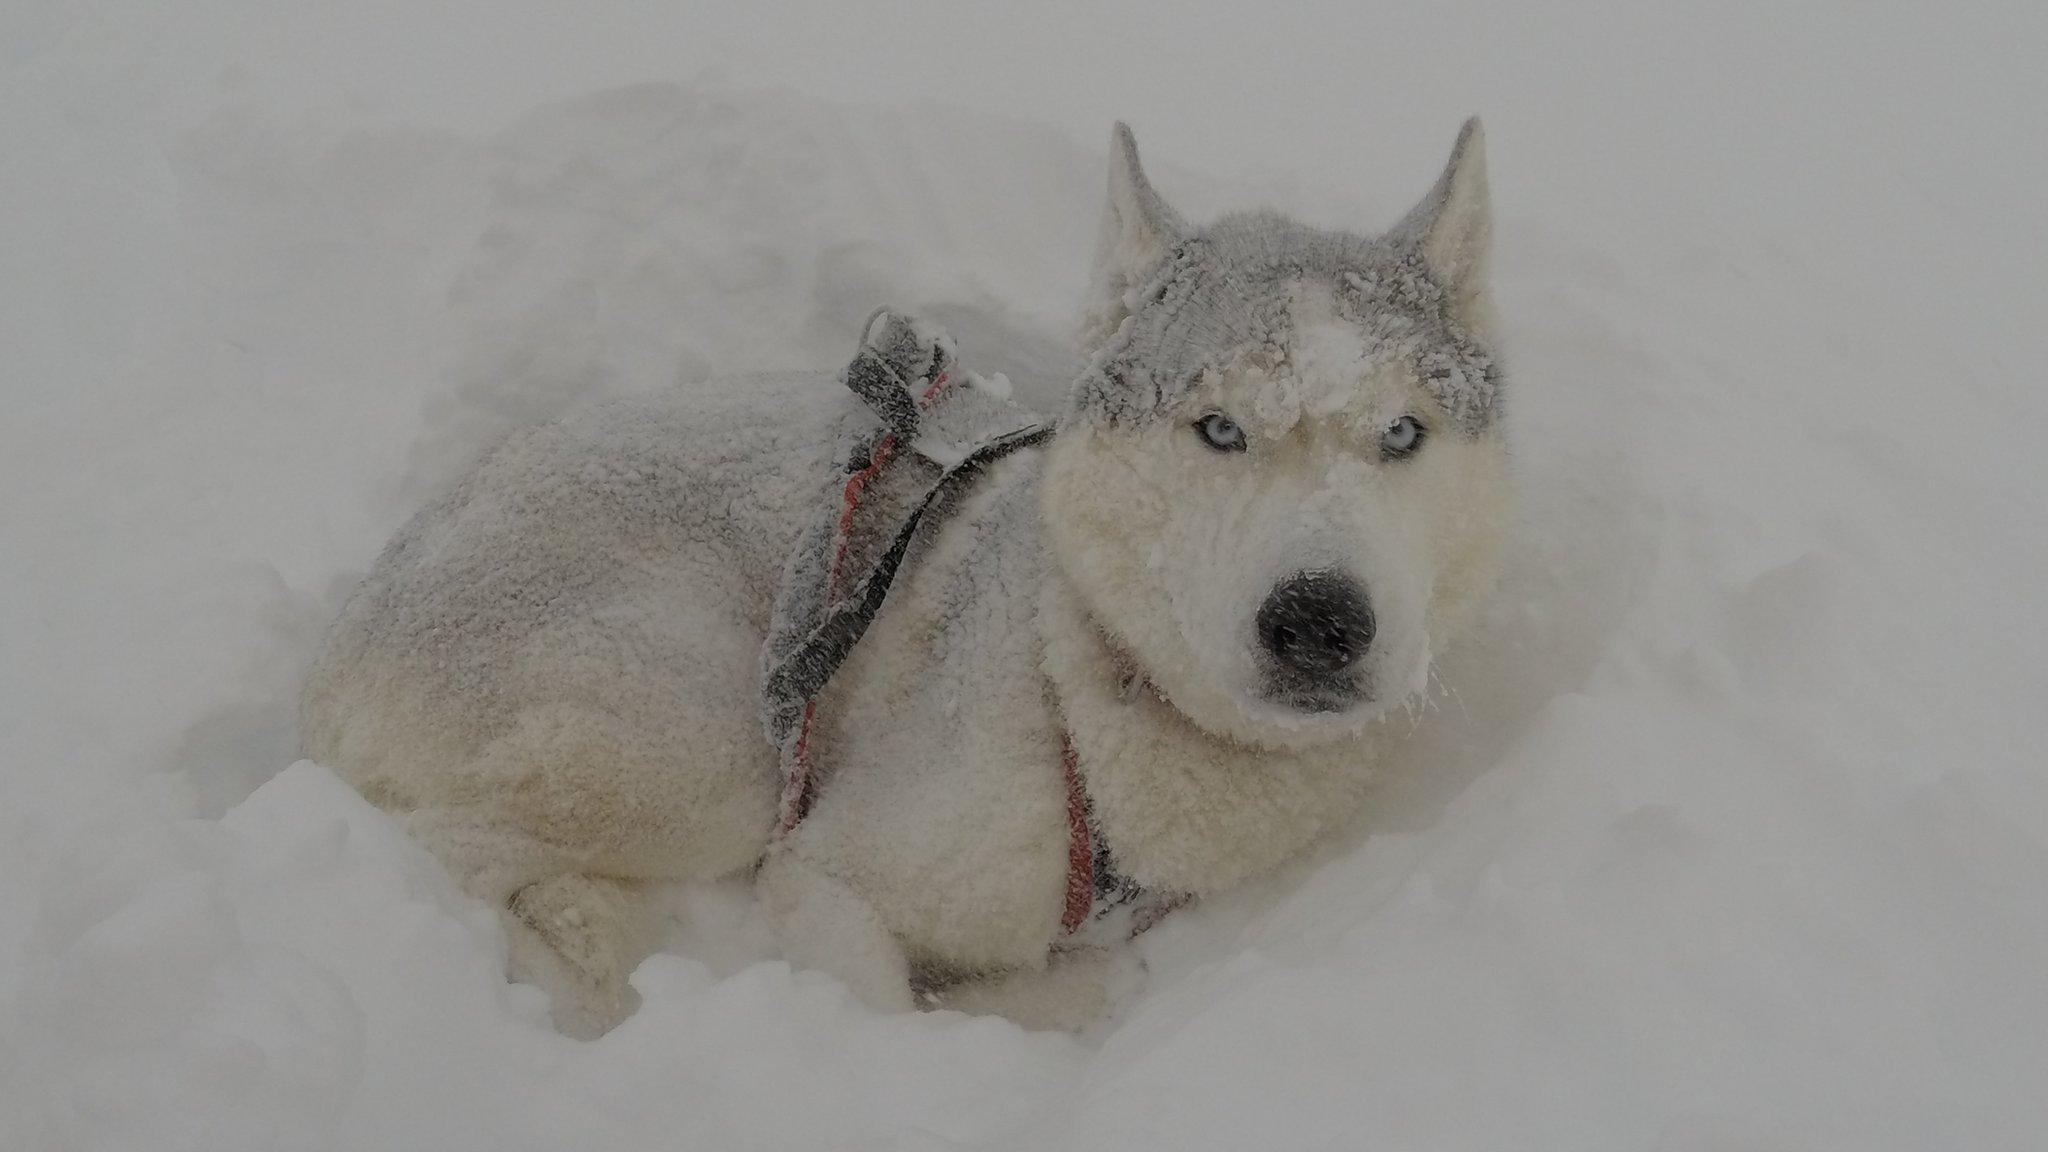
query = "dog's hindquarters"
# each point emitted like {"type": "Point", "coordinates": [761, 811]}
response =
{"type": "Point", "coordinates": [552, 675]}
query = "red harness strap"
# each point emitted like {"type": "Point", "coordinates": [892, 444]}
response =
{"type": "Point", "coordinates": [801, 786]}
{"type": "Point", "coordinates": [1080, 843]}
{"type": "Point", "coordinates": [798, 790]}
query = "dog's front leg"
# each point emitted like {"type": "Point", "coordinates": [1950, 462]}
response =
{"type": "Point", "coordinates": [822, 923]}
{"type": "Point", "coordinates": [1072, 992]}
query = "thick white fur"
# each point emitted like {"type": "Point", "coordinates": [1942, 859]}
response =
{"type": "Point", "coordinates": [552, 674]}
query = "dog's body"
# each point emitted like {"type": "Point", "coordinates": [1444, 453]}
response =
{"type": "Point", "coordinates": [1228, 564]}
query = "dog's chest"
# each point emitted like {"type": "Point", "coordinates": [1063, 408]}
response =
{"type": "Point", "coordinates": [943, 801]}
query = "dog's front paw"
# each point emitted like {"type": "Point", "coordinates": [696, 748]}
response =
{"type": "Point", "coordinates": [822, 923]}
{"type": "Point", "coordinates": [1073, 993]}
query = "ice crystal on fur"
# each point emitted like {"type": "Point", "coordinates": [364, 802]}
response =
{"type": "Point", "coordinates": [1223, 298]}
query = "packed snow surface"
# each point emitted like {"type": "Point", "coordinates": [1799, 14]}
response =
{"type": "Point", "coordinates": [1728, 830]}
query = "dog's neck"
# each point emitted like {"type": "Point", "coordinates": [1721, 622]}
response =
{"type": "Point", "coordinates": [1182, 810]}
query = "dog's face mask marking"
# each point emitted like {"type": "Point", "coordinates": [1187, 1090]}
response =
{"type": "Point", "coordinates": [1283, 480]}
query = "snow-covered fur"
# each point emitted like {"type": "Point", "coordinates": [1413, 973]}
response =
{"type": "Point", "coordinates": [553, 673]}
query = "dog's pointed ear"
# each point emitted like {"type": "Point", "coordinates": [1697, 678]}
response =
{"type": "Point", "coordinates": [1138, 230]}
{"type": "Point", "coordinates": [1452, 228]}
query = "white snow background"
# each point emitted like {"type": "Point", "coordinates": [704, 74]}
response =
{"type": "Point", "coordinates": [1731, 834]}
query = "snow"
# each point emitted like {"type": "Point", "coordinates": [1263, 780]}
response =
{"type": "Point", "coordinates": [1729, 830]}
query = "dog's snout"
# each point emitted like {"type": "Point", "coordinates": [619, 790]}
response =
{"type": "Point", "coordinates": [1316, 623]}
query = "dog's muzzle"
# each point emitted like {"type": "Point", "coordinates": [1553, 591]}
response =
{"type": "Point", "coordinates": [1315, 627]}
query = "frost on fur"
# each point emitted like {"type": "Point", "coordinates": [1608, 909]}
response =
{"type": "Point", "coordinates": [1189, 302]}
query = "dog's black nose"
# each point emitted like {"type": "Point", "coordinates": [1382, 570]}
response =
{"type": "Point", "coordinates": [1316, 623]}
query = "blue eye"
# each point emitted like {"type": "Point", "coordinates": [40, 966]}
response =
{"type": "Point", "coordinates": [1402, 438]}
{"type": "Point", "coordinates": [1221, 432]}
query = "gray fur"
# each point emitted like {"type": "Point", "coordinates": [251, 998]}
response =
{"type": "Point", "coordinates": [1222, 296]}
{"type": "Point", "coordinates": [1173, 304]}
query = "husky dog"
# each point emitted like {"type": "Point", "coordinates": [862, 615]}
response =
{"type": "Point", "coordinates": [1279, 488]}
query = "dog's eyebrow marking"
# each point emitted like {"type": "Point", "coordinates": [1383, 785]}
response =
{"type": "Point", "coordinates": [1224, 290]}
{"type": "Point", "coordinates": [1407, 310]}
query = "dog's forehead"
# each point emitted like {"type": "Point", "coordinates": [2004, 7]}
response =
{"type": "Point", "coordinates": [1325, 366]}
{"type": "Point", "coordinates": [1257, 290]}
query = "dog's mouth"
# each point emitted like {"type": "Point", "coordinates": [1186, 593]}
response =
{"type": "Point", "coordinates": [1318, 697]}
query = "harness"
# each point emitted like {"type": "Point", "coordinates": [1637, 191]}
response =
{"type": "Point", "coordinates": [891, 482]}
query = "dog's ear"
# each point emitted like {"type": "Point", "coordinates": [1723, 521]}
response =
{"type": "Point", "coordinates": [1452, 228]}
{"type": "Point", "coordinates": [1138, 230]}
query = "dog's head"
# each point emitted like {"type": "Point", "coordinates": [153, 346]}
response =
{"type": "Point", "coordinates": [1282, 483]}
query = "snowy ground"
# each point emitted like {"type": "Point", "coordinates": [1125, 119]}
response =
{"type": "Point", "coordinates": [1732, 834]}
